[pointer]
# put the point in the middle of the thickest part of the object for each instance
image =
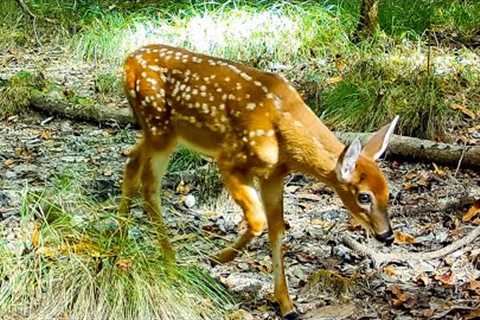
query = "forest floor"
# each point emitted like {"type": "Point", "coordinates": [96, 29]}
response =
{"type": "Point", "coordinates": [427, 208]}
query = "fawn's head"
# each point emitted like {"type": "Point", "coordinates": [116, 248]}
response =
{"type": "Point", "coordinates": [363, 187]}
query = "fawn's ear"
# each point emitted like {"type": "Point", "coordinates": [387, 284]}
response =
{"type": "Point", "coordinates": [378, 142]}
{"type": "Point", "coordinates": [347, 161]}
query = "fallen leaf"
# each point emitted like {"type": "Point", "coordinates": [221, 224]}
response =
{"type": "Point", "coordinates": [438, 171]}
{"type": "Point", "coordinates": [390, 270]}
{"type": "Point", "coordinates": [463, 109]}
{"type": "Point", "coordinates": [428, 313]}
{"type": "Point", "coordinates": [334, 80]}
{"type": "Point", "coordinates": [404, 238]}
{"type": "Point", "coordinates": [183, 188]}
{"type": "Point", "coordinates": [45, 134]}
{"type": "Point", "coordinates": [472, 212]}
{"type": "Point", "coordinates": [8, 163]}
{"type": "Point", "coordinates": [408, 186]}
{"type": "Point", "coordinates": [325, 224]}
{"type": "Point", "coordinates": [399, 296]}
{"type": "Point", "coordinates": [36, 236]}
{"type": "Point", "coordinates": [123, 264]}
{"type": "Point", "coordinates": [340, 62]}
{"type": "Point", "coordinates": [474, 286]}
{"type": "Point", "coordinates": [48, 252]}
{"type": "Point", "coordinates": [424, 279]}
{"type": "Point", "coordinates": [447, 278]}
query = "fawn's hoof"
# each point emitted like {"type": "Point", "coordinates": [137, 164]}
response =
{"type": "Point", "coordinates": [293, 315]}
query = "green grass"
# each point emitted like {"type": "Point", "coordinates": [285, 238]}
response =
{"type": "Point", "coordinates": [76, 264]}
{"type": "Point", "coordinates": [107, 84]}
{"type": "Point", "coordinates": [297, 38]}
{"type": "Point", "coordinates": [377, 87]}
{"type": "Point", "coordinates": [416, 17]}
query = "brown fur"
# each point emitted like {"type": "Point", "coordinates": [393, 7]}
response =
{"type": "Point", "coordinates": [254, 124]}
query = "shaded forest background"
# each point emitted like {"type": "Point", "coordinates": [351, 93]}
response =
{"type": "Point", "coordinates": [420, 63]}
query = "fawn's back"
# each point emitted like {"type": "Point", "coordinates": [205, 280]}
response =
{"type": "Point", "coordinates": [209, 104]}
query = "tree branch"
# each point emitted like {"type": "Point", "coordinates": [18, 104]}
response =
{"type": "Point", "coordinates": [380, 258]}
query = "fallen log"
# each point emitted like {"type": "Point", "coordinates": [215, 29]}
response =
{"type": "Point", "coordinates": [92, 113]}
{"type": "Point", "coordinates": [425, 150]}
{"type": "Point", "coordinates": [406, 147]}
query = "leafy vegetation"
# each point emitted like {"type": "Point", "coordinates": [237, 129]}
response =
{"type": "Point", "coordinates": [301, 39]}
{"type": "Point", "coordinates": [71, 260]}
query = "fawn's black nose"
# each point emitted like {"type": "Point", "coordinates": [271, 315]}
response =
{"type": "Point", "coordinates": [386, 237]}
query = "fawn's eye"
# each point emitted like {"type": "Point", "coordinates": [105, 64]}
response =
{"type": "Point", "coordinates": [364, 198]}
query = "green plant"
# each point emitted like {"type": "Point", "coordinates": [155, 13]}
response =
{"type": "Point", "coordinates": [107, 83]}
{"type": "Point", "coordinates": [76, 263]}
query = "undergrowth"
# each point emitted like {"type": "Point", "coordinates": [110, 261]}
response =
{"type": "Point", "coordinates": [301, 39]}
{"type": "Point", "coordinates": [72, 261]}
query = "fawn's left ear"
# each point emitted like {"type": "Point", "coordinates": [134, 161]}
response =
{"type": "Point", "coordinates": [348, 161]}
{"type": "Point", "coordinates": [378, 142]}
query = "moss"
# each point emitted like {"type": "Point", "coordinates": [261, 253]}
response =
{"type": "Point", "coordinates": [15, 94]}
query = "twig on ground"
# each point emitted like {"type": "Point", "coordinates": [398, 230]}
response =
{"type": "Point", "coordinates": [380, 258]}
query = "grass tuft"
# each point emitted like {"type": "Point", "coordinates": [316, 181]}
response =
{"type": "Point", "coordinates": [405, 82]}
{"type": "Point", "coordinates": [74, 263]}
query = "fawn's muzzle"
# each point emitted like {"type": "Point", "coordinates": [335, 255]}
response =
{"type": "Point", "coordinates": [386, 237]}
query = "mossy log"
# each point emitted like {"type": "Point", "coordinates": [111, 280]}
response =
{"type": "Point", "coordinates": [89, 112]}
{"type": "Point", "coordinates": [405, 147]}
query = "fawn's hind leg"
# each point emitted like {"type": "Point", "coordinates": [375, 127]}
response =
{"type": "Point", "coordinates": [155, 161]}
{"type": "Point", "coordinates": [131, 177]}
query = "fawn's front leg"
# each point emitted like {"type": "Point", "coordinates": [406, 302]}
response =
{"type": "Point", "coordinates": [272, 195]}
{"type": "Point", "coordinates": [243, 192]}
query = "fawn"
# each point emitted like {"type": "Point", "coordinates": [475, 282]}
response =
{"type": "Point", "coordinates": [256, 126]}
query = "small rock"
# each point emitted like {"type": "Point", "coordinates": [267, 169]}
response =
{"type": "Point", "coordinates": [189, 201]}
{"type": "Point", "coordinates": [10, 174]}
{"type": "Point", "coordinates": [246, 284]}
{"type": "Point", "coordinates": [343, 252]}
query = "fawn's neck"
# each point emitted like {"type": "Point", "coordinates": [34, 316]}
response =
{"type": "Point", "coordinates": [311, 146]}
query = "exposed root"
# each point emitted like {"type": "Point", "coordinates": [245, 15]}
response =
{"type": "Point", "coordinates": [380, 258]}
